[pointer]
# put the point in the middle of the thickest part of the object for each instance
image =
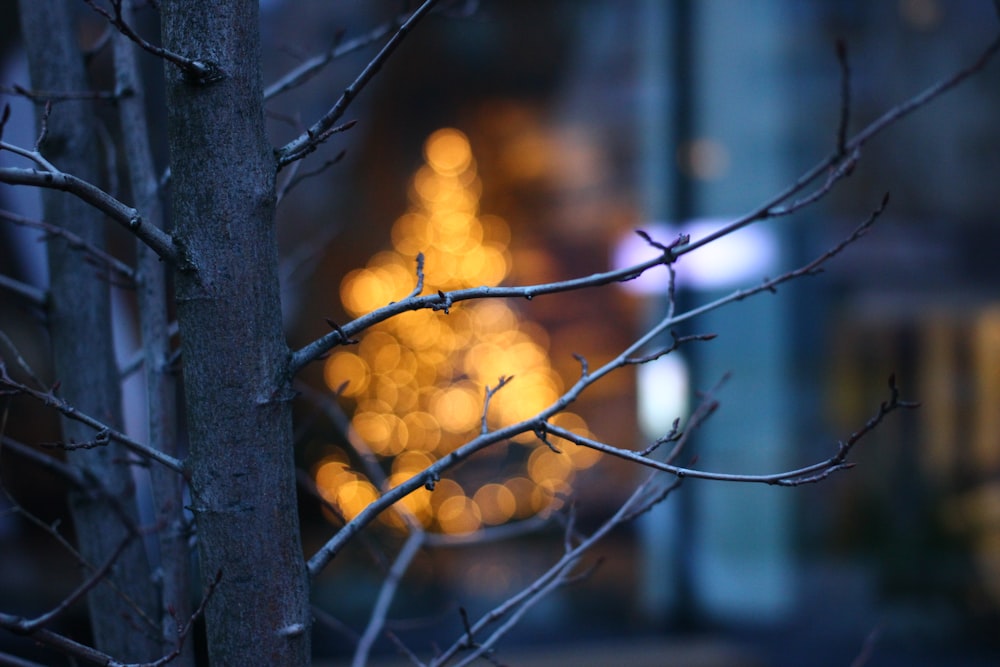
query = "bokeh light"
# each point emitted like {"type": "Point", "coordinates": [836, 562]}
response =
{"type": "Point", "coordinates": [416, 384]}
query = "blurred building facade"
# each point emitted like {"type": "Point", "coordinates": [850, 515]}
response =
{"type": "Point", "coordinates": [610, 116]}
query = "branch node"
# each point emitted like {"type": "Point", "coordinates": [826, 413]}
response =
{"type": "Point", "coordinates": [542, 433]}
{"type": "Point", "coordinates": [432, 480]}
{"type": "Point", "coordinates": [202, 72]}
{"type": "Point", "coordinates": [344, 339]}
{"type": "Point", "coordinates": [292, 630]}
{"type": "Point", "coordinates": [444, 302]}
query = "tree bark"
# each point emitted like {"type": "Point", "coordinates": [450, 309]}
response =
{"type": "Point", "coordinates": [234, 356]}
{"type": "Point", "coordinates": [174, 557]}
{"type": "Point", "coordinates": [79, 324]}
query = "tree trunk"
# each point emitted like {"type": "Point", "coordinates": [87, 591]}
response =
{"type": "Point", "coordinates": [174, 556]}
{"type": "Point", "coordinates": [234, 356]}
{"type": "Point", "coordinates": [81, 336]}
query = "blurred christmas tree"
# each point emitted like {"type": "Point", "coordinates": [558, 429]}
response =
{"type": "Point", "coordinates": [416, 384]}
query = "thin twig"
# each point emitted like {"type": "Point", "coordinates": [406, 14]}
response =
{"type": "Point", "coordinates": [295, 178]}
{"type": "Point", "coordinates": [93, 488]}
{"type": "Point", "coordinates": [539, 423]}
{"type": "Point", "coordinates": [559, 574]}
{"type": "Point", "coordinates": [444, 300]}
{"type": "Point", "coordinates": [663, 351]}
{"type": "Point", "coordinates": [707, 406]}
{"type": "Point", "coordinates": [63, 644]}
{"type": "Point", "coordinates": [327, 620]}
{"type": "Point", "coordinates": [419, 287]}
{"type": "Point", "coordinates": [849, 154]}
{"type": "Point", "coordinates": [490, 393]}
{"type": "Point", "coordinates": [43, 96]}
{"type": "Point", "coordinates": [185, 631]}
{"type": "Point", "coordinates": [49, 399]}
{"type": "Point", "coordinates": [43, 122]}
{"type": "Point", "coordinates": [8, 660]}
{"type": "Point", "coordinates": [845, 97]}
{"type": "Point", "coordinates": [33, 295]}
{"type": "Point", "coordinates": [27, 626]}
{"type": "Point", "coordinates": [198, 71]}
{"type": "Point", "coordinates": [673, 436]}
{"type": "Point", "coordinates": [311, 67]}
{"type": "Point", "coordinates": [807, 475]}
{"type": "Point", "coordinates": [72, 648]}
{"type": "Point", "coordinates": [159, 241]}
{"type": "Point", "coordinates": [4, 117]}
{"type": "Point", "coordinates": [97, 255]}
{"type": "Point", "coordinates": [51, 464]}
{"type": "Point", "coordinates": [404, 649]}
{"type": "Point", "coordinates": [379, 613]}
{"type": "Point", "coordinates": [307, 142]}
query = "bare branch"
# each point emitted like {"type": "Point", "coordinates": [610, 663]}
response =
{"type": "Point", "coordinates": [312, 66]}
{"type": "Point", "coordinates": [34, 627]}
{"type": "Point", "coordinates": [335, 624]}
{"type": "Point", "coordinates": [840, 162]}
{"type": "Point", "coordinates": [33, 154]}
{"type": "Point", "coordinates": [126, 216]}
{"type": "Point", "coordinates": [419, 287]}
{"type": "Point", "coordinates": [26, 626]}
{"type": "Point", "coordinates": [673, 436]}
{"type": "Point", "coordinates": [49, 399]}
{"type": "Point", "coordinates": [682, 239]}
{"type": "Point", "coordinates": [4, 117]}
{"type": "Point", "coordinates": [199, 71]}
{"type": "Point", "coordinates": [807, 475]}
{"type": "Point", "coordinates": [58, 96]}
{"type": "Point", "coordinates": [70, 647]}
{"type": "Point", "coordinates": [404, 649]}
{"type": "Point", "coordinates": [490, 393]}
{"type": "Point", "coordinates": [8, 660]}
{"type": "Point", "coordinates": [185, 631]}
{"type": "Point", "coordinates": [386, 594]}
{"type": "Point", "coordinates": [559, 574]}
{"type": "Point", "coordinates": [97, 255]}
{"type": "Point", "coordinates": [845, 97]}
{"type": "Point", "coordinates": [307, 142]}
{"type": "Point", "coordinates": [769, 285]}
{"type": "Point", "coordinates": [62, 644]}
{"type": "Point", "coordinates": [84, 482]}
{"type": "Point", "coordinates": [73, 476]}
{"type": "Point", "coordinates": [707, 406]}
{"type": "Point", "coordinates": [418, 537]}
{"type": "Point", "coordinates": [539, 423]}
{"type": "Point", "coordinates": [443, 300]}
{"type": "Point", "coordinates": [678, 341]}
{"type": "Point", "coordinates": [295, 179]}
{"type": "Point", "coordinates": [33, 295]}
{"type": "Point", "coordinates": [43, 121]}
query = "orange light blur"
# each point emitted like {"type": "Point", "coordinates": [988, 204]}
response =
{"type": "Point", "coordinates": [418, 381]}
